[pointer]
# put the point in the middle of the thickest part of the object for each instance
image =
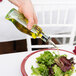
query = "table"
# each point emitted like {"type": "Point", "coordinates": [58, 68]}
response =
{"type": "Point", "coordinates": [10, 63]}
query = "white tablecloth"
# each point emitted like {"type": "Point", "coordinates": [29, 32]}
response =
{"type": "Point", "coordinates": [10, 63]}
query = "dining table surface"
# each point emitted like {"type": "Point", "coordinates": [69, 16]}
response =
{"type": "Point", "coordinates": [10, 64]}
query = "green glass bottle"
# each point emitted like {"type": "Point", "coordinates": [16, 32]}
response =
{"type": "Point", "coordinates": [21, 22]}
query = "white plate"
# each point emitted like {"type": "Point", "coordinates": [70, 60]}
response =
{"type": "Point", "coordinates": [31, 60]}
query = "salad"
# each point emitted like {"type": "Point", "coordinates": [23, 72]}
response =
{"type": "Point", "coordinates": [51, 64]}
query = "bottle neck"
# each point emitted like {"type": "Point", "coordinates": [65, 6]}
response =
{"type": "Point", "coordinates": [44, 37]}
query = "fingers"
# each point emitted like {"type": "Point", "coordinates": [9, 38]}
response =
{"type": "Point", "coordinates": [30, 23]}
{"type": "Point", "coordinates": [32, 19]}
{"type": "Point", "coordinates": [30, 15]}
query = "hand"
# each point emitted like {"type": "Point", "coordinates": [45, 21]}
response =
{"type": "Point", "coordinates": [26, 7]}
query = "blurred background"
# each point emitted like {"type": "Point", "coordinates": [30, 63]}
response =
{"type": "Point", "coordinates": [56, 17]}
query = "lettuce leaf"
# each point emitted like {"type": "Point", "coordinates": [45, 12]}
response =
{"type": "Point", "coordinates": [47, 58]}
{"type": "Point", "coordinates": [35, 71]}
{"type": "Point", "coordinates": [42, 70]}
{"type": "Point", "coordinates": [57, 71]}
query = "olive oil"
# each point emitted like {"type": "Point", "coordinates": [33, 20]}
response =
{"type": "Point", "coordinates": [21, 24]}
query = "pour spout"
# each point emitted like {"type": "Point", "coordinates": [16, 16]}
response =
{"type": "Point", "coordinates": [52, 43]}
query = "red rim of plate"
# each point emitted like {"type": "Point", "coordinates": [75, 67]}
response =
{"type": "Point", "coordinates": [25, 59]}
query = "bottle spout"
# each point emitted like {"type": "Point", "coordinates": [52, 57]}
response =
{"type": "Point", "coordinates": [47, 39]}
{"type": "Point", "coordinates": [52, 43]}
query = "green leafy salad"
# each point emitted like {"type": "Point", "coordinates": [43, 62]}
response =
{"type": "Point", "coordinates": [51, 64]}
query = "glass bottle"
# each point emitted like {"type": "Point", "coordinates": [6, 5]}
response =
{"type": "Point", "coordinates": [21, 22]}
